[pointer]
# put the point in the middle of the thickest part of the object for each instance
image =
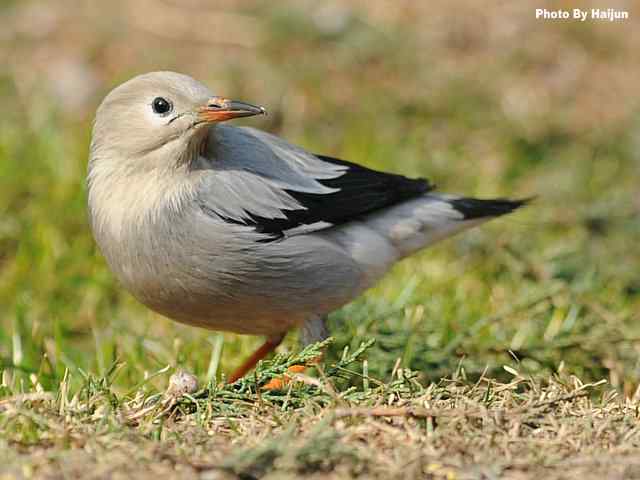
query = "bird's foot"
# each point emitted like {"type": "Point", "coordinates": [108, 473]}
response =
{"type": "Point", "coordinates": [278, 383]}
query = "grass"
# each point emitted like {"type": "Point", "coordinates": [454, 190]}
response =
{"type": "Point", "coordinates": [449, 429]}
{"type": "Point", "coordinates": [484, 356]}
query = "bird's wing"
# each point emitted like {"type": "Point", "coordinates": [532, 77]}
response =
{"type": "Point", "coordinates": [257, 179]}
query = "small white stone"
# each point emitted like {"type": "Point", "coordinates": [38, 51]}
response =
{"type": "Point", "coordinates": [182, 382]}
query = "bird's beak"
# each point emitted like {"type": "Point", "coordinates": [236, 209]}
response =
{"type": "Point", "coordinates": [219, 109]}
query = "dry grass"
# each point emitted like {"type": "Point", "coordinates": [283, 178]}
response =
{"type": "Point", "coordinates": [394, 429]}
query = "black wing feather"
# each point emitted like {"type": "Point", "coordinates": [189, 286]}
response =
{"type": "Point", "coordinates": [361, 191]}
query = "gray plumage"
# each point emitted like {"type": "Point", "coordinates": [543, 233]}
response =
{"type": "Point", "coordinates": [205, 223]}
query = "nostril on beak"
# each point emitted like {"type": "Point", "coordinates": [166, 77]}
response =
{"type": "Point", "coordinates": [217, 102]}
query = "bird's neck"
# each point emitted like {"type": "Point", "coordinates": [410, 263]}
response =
{"type": "Point", "coordinates": [194, 148]}
{"type": "Point", "coordinates": [126, 195]}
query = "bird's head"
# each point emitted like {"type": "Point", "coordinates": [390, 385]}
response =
{"type": "Point", "coordinates": [159, 117]}
{"type": "Point", "coordinates": [145, 130]}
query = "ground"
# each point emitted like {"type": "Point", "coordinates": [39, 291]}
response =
{"type": "Point", "coordinates": [510, 351]}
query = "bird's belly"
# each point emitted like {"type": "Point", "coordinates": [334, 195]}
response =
{"type": "Point", "coordinates": [257, 316]}
{"type": "Point", "coordinates": [200, 305]}
{"type": "Point", "coordinates": [240, 285]}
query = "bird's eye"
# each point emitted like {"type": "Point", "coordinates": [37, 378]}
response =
{"type": "Point", "coordinates": [161, 106]}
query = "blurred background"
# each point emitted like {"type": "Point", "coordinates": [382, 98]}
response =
{"type": "Point", "coordinates": [480, 97]}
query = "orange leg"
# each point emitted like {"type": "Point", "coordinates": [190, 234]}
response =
{"type": "Point", "coordinates": [267, 347]}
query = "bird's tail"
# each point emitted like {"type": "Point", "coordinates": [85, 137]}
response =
{"type": "Point", "coordinates": [380, 239]}
{"type": "Point", "coordinates": [421, 222]}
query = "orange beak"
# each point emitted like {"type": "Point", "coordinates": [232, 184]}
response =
{"type": "Point", "coordinates": [219, 109]}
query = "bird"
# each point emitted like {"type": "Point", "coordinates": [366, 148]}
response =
{"type": "Point", "coordinates": [231, 228]}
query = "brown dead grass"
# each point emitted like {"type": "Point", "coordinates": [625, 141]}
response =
{"type": "Point", "coordinates": [526, 428]}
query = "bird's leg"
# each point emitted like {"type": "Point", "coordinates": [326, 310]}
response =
{"type": "Point", "coordinates": [312, 331]}
{"type": "Point", "coordinates": [267, 347]}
